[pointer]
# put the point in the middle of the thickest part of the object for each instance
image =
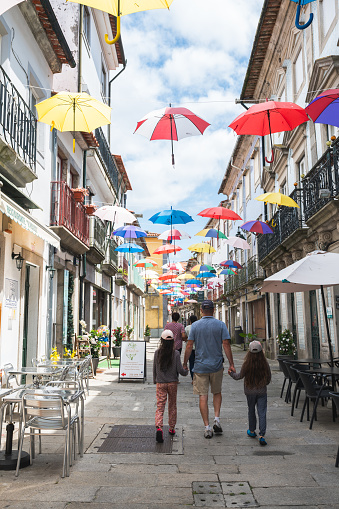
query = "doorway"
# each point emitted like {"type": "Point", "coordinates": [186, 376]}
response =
{"type": "Point", "coordinates": [259, 319]}
{"type": "Point", "coordinates": [314, 325]}
{"type": "Point", "coordinates": [31, 314]}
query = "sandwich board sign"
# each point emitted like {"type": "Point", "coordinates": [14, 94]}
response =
{"type": "Point", "coordinates": [132, 361]}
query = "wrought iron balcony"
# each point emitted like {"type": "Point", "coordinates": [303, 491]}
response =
{"type": "Point", "coordinates": [68, 218]}
{"type": "Point", "coordinates": [250, 273]}
{"type": "Point", "coordinates": [110, 263]}
{"type": "Point", "coordinates": [107, 158]}
{"type": "Point", "coordinates": [321, 184]}
{"type": "Point", "coordinates": [97, 237]}
{"type": "Point", "coordinates": [18, 127]}
{"type": "Point", "coordinates": [285, 222]}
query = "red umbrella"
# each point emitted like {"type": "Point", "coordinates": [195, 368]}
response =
{"type": "Point", "coordinates": [324, 109]}
{"type": "Point", "coordinates": [269, 117]}
{"type": "Point", "coordinates": [167, 248]}
{"type": "Point", "coordinates": [171, 124]}
{"type": "Point", "coordinates": [220, 213]}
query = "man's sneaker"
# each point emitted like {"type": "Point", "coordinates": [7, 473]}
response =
{"type": "Point", "coordinates": [251, 434]}
{"type": "Point", "coordinates": [262, 441]}
{"type": "Point", "coordinates": [217, 428]}
{"type": "Point", "coordinates": [159, 436]}
{"type": "Point", "coordinates": [208, 433]}
{"type": "Point", "coordinates": [171, 431]}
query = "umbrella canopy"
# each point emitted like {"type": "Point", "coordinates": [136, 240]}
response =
{"type": "Point", "coordinates": [231, 264]}
{"type": "Point", "coordinates": [149, 274]}
{"type": "Point", "coordinates": [227, 272]}
{"type": "Point", "coordinates": [170, 235]}
{"type": "Point", "coordinates": [166, 277]}
{"type": "Point", "coordinates": [202, 275]}
{"type": "Point", "coordinates": [192, 301]}
{"type": "Point", "coordinates": [220, 213]}
{"type": "Point", "coordinates": [256, 227]}
{"type": "Point", "coordinates": [212, 233]}
{"type": "Point", "coordinates": [269, 117]}
{"type": "Point", "coordinates": [171, 216]}
{"type": "Point", "coordinates": [8, 5]}
{"type": "Point", "coordinates": [68, 111]}
{"type": "Point", "coordinates": [171, 124]}
{"type": "Point", "coordinates": [173, 266]}
{"type": "Point", "coordinates": [238, 242]}
{"type": "Point", "coordinates": [146, 262]}
{"type": "Point", "coordinates": [277, 199]}
{"type": "Point", "coordinates": [115, 214]}
{"type": "Point", "coordinates": [203, 268]}
{"type": "Point", "coordinates": [167, 248]}
{"type": "Point", "coordinates": [202, 247]}
{"type": "Point", "coordinates": [129, 247]}
{"type": "Point", "coordinates": [185, 277]}
{"type": "Point", "coordinates": [194, 281]}
{"type": "Point", "coordinates": [130, 232]}
{"type": "Point", "coordinates": [324, 109]}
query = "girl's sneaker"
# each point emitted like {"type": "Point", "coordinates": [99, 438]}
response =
{"type": "Point", "coordinates": [159, 436]}
{"type": "Point", "coordinates": [251, 434]}
{"type": "Point", "coordinates": [171, 431]}
{"type": "Point", "coordinates": [262, 441]}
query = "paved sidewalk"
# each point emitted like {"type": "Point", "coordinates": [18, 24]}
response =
{"type": "Point", "coordinates": [296, 469]}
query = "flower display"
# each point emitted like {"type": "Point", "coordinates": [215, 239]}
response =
{"type": "Point", "coordinates": [54, 355]}
{"type": "Point", "coordinates": [69, 354]}
{"type": "Point", "coordinates": [118, 336]}
{"type": "Point", "coordinates": [286, 343]}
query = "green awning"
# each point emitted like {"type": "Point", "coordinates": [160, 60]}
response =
{"type": "Point", "coordinates": [16, 195]}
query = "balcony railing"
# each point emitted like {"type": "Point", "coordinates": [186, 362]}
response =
{"type": "Point", "coordinates": [137, 280]}
{"type": "Point", "coordinates": [65, 211]}
{"type": "Point", "coordinates": [111, 254]}
{"type": "Point", "coordinates": [284, 222]}
{"type": "Point", "coordinates": [107, 158]}
{"type": "Point", "coordinates": [321, 184]}
{"type": "Point", "coordinates": [97, 233]}
{"type": "Point", "coordinates": [247, 275]}
{"type": "Point", "coordinates": [17, 122]}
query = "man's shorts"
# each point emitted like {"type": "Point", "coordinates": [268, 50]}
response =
{"type": "Point", "coordinates": [202, 381]}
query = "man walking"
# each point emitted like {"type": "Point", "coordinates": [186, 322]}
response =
{"type": "Point", "coordinates": [178, 331]}
{"type": "Point", "coordinates": [209, 336]}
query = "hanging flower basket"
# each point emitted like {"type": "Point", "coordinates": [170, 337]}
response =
{"type": "Point", "coordinates": [90, 208]}
{"type": "Point", "coordinates": [79, 194]}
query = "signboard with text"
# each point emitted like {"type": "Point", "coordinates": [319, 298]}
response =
{"type": "Point", "coordinates": [132, 360]}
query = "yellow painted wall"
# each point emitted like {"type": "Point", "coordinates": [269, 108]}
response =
{"type": "Point", "coordinates": [154, 317]}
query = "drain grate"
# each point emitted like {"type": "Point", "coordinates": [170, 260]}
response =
{"type": "Point", "coordinates": [225, 494]}
{"type": "Point", "coordinates": [135, 439]}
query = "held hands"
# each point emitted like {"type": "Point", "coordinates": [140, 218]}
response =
{"type": "Point", "coordinates": [231, 369]}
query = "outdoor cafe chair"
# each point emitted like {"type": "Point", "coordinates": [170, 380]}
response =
{"type": "Point", "coordinates": [293, 368]}
{"type": "Point", "coordinates": [47, 413]}
{"type": "Point", "coordinates": [335, 397]}
{"type": "Point", "coordinates": [287, 377]}
{"type": "Point", "coordinates": [314, 392]}
{"type": "Point", "coordinates": [11, 378]}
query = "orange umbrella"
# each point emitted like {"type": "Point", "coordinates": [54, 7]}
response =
{"type": "Point", "coordinates": [167, 248]}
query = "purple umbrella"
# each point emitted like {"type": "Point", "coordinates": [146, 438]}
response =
{"type": "Point", "coordinates": [256, 227]}
{"type": "Point", "coordinates": [130, 232]}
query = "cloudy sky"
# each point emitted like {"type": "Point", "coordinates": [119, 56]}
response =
{"type": "Point", "coordinates": [194, 55]}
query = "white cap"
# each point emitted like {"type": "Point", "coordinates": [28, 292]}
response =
{"type": "Point", "coordinates": [167, 334]}
{"type": "Point", "coordinates": [255, 346]}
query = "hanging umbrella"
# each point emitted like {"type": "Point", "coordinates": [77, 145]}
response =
{"type": "Point", "coordinates": [256, 227]}
{"type": "Point", "coordinates": [202, 247]}
{"type": "Point", "coordinates": [121, 7]}
{"type": "Point", "coordinates": [130, 232]}
{"type": "Point", "coordinates": [227, 272]}
{"type": "Point", "coordinates": [171, 124]}
{"type": "Point", "coordinates": [212, 233]}
{"type": "Point", "coordinates": [220, 213]}
{"type": "Point", "coordinates": [315, 271]}
{"type": "Point", "coordinates": [202, 275]}
{"type": "Point", "coordinates": [297, 17]}
{"type": "Point", "coordinates": [231, 264]}
{"type": "Point", "coordinates": [146, 262]}
{"type": "Point", "coordinates": [165, 277]}
{"type": "Point", "coordinates": [115, 214]}
{"type": "Point", "coordinates": [8, 4]}
{"type": "Point", "coordinates": [185, 277]}
{"type": "Point", "coordinates": [173, 266]}
{"type": "Point", "coordinates": [269, 117]}
{"type": "Point", "coordinates": [277, 199]}
{"type": "Point", "coordinates": [238, 243]}
{"type": "Point", "coordinates": [194, 281]}
{"type": "Point", "coordinates": [171, 217]}
{"type": "Point", "coordinates": [174, 235]}
{"type": "Point", "coordinates": [149, 274]}
{"type": "Point", "coordinates": [167, 248]}
{"type": "Point", "coordinates": [203, 268]}
{"type": "Point", "coordinates": [129, 247]}
{"type": "Point", "coordinates": [324, 109]}
{"type": "Point", "coordinates": [68, 111]}
{"type": "Point", "coordinates": [192, 301]}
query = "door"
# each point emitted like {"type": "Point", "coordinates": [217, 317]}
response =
{"type": "Point", "coordinates": [259, 320]}
{"type": "Point", "coordinates": [31, 315]}
{"type": "Point", "coordinates": [314, 325]}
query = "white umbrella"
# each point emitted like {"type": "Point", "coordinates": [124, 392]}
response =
{"type": "Point", "coordinates": [177, 234]}
{"type": "Point", "coordinates": [173, 266]}
{"type": "Point", "coordinates": [314, 271]}
{"type": "Point", "coordinates": [238, 243]}
{"type": "Point", "coordinates": [115, 214]}
{"type": "Point", "coordinates": [6, 5]}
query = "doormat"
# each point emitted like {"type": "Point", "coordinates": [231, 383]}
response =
{"type": "Point", "coordinates": [134, 439]}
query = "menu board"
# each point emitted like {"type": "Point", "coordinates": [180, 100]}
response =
{"type": "Point", "coordinates": [132, 360]}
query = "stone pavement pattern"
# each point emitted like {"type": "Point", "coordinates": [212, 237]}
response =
{"type": "Point", "coordinates": [296, 469]}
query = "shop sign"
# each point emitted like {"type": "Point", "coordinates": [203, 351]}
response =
{"type": "Point", "coordinates": [65, 307]}
{"type": "Point", "coordinates": [201, 296]}
{"type": "Point", "coordinates": [132, 360]}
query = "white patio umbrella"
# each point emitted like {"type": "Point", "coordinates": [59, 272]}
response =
{"type": "Point", "coordinates": [117, 215]}
{"type": "Point", "coordinates": [6, 5]}
{"type": "Point", "coordinates": [315, 271]}
{"type": "Point", "coordinates": [238, 243]}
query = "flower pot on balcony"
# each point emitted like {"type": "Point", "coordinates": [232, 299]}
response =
{"type": "Point", "coordinates": [120, 279]}
{"type": "Point", "coordinates": [90, 208]}
{"type": "Point", "coordinates": [79, 194]}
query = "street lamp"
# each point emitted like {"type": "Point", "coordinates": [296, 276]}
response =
{"type": "Point", "coordinates": [51, 270]}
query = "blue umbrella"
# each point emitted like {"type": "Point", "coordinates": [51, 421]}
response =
{"type": "Point", "coordinates": [171, 217]}
{"type": "Point", "coordinates": [194, 282]}
{"type": "Point", "coordinates": [129, 247]}
{"type": "Point", "coordinates": [202, 275]}
{"type": "Point", "coordinates": [297, 17]}
{"type": "Point", "coordinates": [130, 232]}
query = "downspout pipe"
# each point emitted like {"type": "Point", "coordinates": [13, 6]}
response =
{"type": "Point", "coordinates": [81, 27]}
{"type": "Point", "coordinates": [114, 78]}
{"type": "Point", "coordinates": [83, 266]}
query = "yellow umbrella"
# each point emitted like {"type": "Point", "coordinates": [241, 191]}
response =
{"type": "Point", "coordinates": [185, 276]}
{"type": "Point", "coordinates": [121, 7]}
{"type": "Point", "coordinates": [277, 199]}
{"type": "Point", "coordinates": [67, 111]}
{"type": "Point", "coordinates": [202, 247]}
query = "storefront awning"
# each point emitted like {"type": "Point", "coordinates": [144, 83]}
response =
{"type": "Point", "coordinates": [22, 218]}
{"type": "Point", "coordinates": [19, 197]}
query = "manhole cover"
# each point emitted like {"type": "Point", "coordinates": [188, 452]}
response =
{"type": "Point", "coordinates": [135, 439]}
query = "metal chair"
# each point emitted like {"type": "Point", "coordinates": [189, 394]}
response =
{"type": "Point", "coordinates": [314, 392]}
{"type": "Point", "coordinates": [287, 377]}
{"type": "Point", "coordinates": [7, 368]}
{"type": "Point", "coordinates": [293, 369]}
{"type": "Point", "coordinates": [335, 398]}
{"type": "Point", "coordinates": [46, 413]}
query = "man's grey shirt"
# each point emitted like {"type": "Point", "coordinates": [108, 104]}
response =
{"type": "Point", "coordinates": [208, 333]}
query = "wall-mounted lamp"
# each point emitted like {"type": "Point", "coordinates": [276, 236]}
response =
{"type": "Point", "coordinates": [51, 270]}
{"type": "Point", "coordinates": [19, 260]}
{"type": "Point", "coordinates": [240, 235]}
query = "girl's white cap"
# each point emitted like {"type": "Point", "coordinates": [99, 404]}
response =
{"type": "Point", "coordinates": [255, 347]}
{"type": "Point", "coordinates": [167, 334]}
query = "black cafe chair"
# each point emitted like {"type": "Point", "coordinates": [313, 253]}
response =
{"type": "Point", "coordinates": [335, 397]}
{"type": "Point", "coordinates": [293, 368]}
{"type": "Point", "coordinates": [287, 378]}
{"type": "Point", "coordinates": [313, 392]}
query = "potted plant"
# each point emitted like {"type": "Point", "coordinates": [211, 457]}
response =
{"type": "Point", "coordinates": [95, 349]}
{"type": "Point", "coordinates": [118, 337]}
{"type": "Point", "coordinates": [121, 277]}
{"type": "Point", "coordinates": [129, 332]}
{"type": "Point", "coordinates": [286, 345]}
{"type": "Point", "coordinates": [90, 208]}
{"type": "Point", "coordinates": [79, 194]}
{"type": "Point", "coordinates": [147, 333]}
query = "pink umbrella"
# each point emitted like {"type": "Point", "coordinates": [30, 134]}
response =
{"type": "Point", "coordinates": [174, 235]}
{"type": "Point", "coordinates": [171, 124]}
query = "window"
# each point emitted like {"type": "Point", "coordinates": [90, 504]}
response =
{"type": "Point", "coordinates": [328, 14]}
{"type": "Point", "coordinates": [298, 72]}
{"type": "Point", "coordinates": [87, 24]}
{"type": "Point", "coordinates": [103, 82]}
{"type": "Point", "coordinates": [256, 168]}
{"type": "Point", "coordinates": [301, 170]}
{"type": "Point", "coordinates": [283, 187]}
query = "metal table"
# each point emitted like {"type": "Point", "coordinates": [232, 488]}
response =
{"type": "Point", "coordinates": [38, 372]}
